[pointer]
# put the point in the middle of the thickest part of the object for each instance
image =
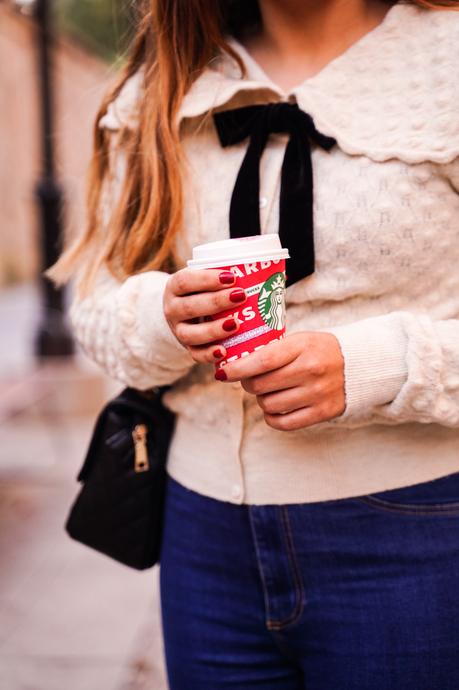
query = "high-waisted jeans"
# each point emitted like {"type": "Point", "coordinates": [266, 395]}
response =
{"type": "Point", "coordinates": [353, 594]}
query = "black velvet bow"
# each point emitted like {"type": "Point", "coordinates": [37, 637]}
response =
{"type": "Point", "coordinates": [296, 194]}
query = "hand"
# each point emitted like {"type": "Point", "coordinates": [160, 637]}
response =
{"type": "Point", "coordinates": [190, 298]}
{"type": "Point", "coordinates": [298, 381]}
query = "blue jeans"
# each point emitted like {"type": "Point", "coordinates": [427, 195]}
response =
{"type": "Point", "coordinates": [353, 594]}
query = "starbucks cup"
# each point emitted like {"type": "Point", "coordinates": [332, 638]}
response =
{"type": "Point", "coordinates": [258, 263]}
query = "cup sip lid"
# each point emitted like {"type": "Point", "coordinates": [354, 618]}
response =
{"type": "Point", "coordinates": [238, 251]}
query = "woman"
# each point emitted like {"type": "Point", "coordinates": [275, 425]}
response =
{"type": "Point", "coordinates": [312, 518]}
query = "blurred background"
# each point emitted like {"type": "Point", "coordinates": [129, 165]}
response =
{"type": "Point", "coordinates": [69, 617]}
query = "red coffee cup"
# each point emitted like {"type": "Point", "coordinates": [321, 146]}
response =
{"type": "Point", "coordinates": [258, 262]}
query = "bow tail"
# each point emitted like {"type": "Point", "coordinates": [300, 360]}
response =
{"type": "Point", "coordinates": [245, 201]}
{"type": "Point", "coordinates": [296, 209]}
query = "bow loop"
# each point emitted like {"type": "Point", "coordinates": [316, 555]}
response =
{"type": "Point", "coordinates": [233, 126]}
{"type": "Point", "coordinates": [257, 122]}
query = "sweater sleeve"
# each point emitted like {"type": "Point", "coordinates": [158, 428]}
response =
{"type": "Point", "coordinates": [121, 324]}
{"type": "Point", "coordinates": [122, 327]}
{"type": "Point", "coordinates": [402, 366]}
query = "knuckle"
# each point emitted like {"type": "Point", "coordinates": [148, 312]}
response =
{"type": "Point", "coordinates": [247, 386]}
{"type": "Point", "coordinates": [262, 402]}
{"type": "Point", "coordinates": [181, 280]}
{"type": "Point", "coordinates": [207, 356]}
{"type": "Point", "coordinates": [317, 390]}
{"type": "Point", "coordinates": [215, 302]}
{"type": "Point", "coordinates": [196, 355]}
{"type": "Point", "coordinates": [211, 333]}
{"type": "Point", "coordinates": [316, 367]}
{"type": "Point", "coordinates": [172, 308]}
{"type": "Point", "coordinates": [188, 310]}
{"type": "Point", "coordinates": [183, 334]}
{"type": "Point", "coordinates": [168, 310]}
{"type": "Point", "coordinates": [267, 404]}
{"type": "Point", "coordinates": [271, 421]}
{"type": "Point", "coordinates": [285, 423]}
{"type": "Point", "coordinates": [256, 386]}
{"type": "Point", "coordinates": [168, 288]}
{"type": "Point", "coordinates": [266, 358]}
{"type": "Point", "coordinates": [279, 422]}
{"type": "Point", "coordinates": [200, 355]}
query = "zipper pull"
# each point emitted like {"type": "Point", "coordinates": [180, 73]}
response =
{"type": "Point", "coordinates": [139, 435]}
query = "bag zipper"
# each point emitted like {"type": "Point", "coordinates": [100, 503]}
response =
{"type": "Point", "coordinates": [139, 435]}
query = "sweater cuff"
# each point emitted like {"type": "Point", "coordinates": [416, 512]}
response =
{"type": "Point", "coordinates": [375, 367]}
{"type": "Point", "coordinates": [144, 326]}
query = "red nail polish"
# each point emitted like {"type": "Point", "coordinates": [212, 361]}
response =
{"type": "Point", "coordinates": [226, 277]}
{"type": "Point", "coordinates": [229, 325]}
{"type": "Point", "coordinates": [218, 354]}
{"type": "Point", "coordinates": [220, 375]}
{"type": "Point", "coordinates": [237, 295]}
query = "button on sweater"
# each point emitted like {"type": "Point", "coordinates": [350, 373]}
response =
{"type": "Point", "coordinates": [386, 278]}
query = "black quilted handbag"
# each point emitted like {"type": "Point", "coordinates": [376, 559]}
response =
{"type": "Point", "coordinates": [119, 508]}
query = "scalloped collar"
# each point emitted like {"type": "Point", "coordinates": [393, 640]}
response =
{"type": "Point", "coordinates": [393, 94]}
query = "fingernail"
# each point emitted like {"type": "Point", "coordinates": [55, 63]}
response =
{"type": "Point", "coordinates": [226, 278]}
{"type": "Point", "coordinates": [237, 295]}
{"type": "Point", "coordinates": [229, 325]}
{"type": "Point", "coordinates": [218, 354]}
{"type": "Point", "coordinates": [220, 375]}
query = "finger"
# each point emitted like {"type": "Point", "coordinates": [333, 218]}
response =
{"type": "Point", "coordinates": [207, 303]}
{"type": "Point", "coordinates": [285, 401]}
{"type": "Point", "coordinates": [284, 377]}
{"type": "Point", "coordinates": [299, 419]}
{"type": "Point", "coordinates": [208, 354]}
{"type": "Point", "coordinates": [208, 332]}
{"type": "Point", "coordinates": [272, 356]}
{"type": "Point", "coordinates": [188, 280]}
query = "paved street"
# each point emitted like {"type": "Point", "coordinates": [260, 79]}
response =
{"type": "Point", "coordinates": [69, 618]}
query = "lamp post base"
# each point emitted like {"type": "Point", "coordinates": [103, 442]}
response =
{"type": "Point", "coordinates": [53, 338]}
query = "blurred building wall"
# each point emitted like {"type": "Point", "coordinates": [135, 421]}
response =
{"type": "Point", "coordinates": [81, 80]}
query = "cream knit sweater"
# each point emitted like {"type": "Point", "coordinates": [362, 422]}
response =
{"type": "Point", "coordinates": [386, 228]}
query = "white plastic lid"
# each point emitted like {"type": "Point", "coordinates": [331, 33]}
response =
{"type": "Point", "coordinates": [238, 251]}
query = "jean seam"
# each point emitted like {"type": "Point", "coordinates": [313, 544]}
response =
{"type": "Point", "coordinates": [439, 509]}
{"type": "Point", "coordinates": [260, 565]}
{"type": "Point", "coordinates": [299, 589]}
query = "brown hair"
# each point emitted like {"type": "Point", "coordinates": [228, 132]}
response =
{"type": "Point", "coordinates": [175, 41]}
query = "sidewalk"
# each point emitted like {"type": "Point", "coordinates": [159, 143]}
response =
{"type": "Point", "coordinates": [70, 618]}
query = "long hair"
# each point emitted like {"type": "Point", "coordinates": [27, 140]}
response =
{"type": "Point", "coordinates": [175, 41]}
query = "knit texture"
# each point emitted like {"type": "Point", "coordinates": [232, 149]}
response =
{"type": "Point", "coordinates": [386, 283]}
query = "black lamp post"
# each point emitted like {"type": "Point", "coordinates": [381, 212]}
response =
{"type": "Point", "coordinates": [53, 338]}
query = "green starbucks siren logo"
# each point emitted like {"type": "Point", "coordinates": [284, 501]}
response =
{"type": "Point", "coordinates": [271, 302]}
